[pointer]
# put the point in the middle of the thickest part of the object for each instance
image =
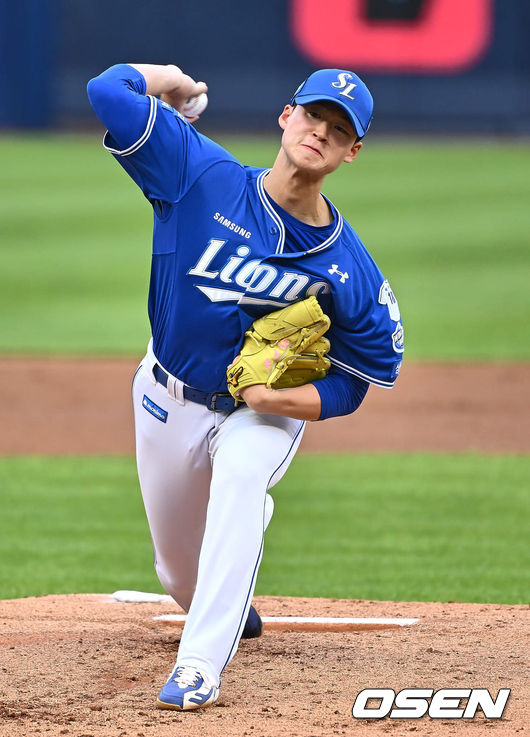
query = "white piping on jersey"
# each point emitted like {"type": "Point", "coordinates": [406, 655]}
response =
{"type": "Point", "coordinates": [272, 212]}
{"type": "Point", "coordinates": [145, 135]}
{"type": "Point", "coordinates": [333, 237]}
{"type": "Point", "coordinates": [277, 219]}
{"type": "Point", "coordinates": [356, 372]}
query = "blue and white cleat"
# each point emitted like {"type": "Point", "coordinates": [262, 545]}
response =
{"type": "Point", "coordinates": [185, 689]}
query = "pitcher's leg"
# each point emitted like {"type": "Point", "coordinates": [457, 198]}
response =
{"type": "Point", "coordinates": [175, 472]}
{"type": "Point", "coordinates": [249, 453]}
{"type": "Point", "coordinates": [269, 509]}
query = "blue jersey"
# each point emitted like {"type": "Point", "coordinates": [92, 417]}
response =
{"type": "Point", "coordinates": [220, 258]}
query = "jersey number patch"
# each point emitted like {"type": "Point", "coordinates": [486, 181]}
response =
{"type": "Point", "coordinates": [386, 297]}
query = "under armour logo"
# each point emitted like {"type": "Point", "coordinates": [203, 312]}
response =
{"type": "Point", "coordinates": [335, 270]}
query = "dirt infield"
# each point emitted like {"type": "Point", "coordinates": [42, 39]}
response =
{"type": "Point", "coordinates": [83, 406]}
{"type": "Point", "coordinates": [85, 667]}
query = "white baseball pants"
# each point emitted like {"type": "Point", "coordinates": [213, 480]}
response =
{"type": "Point", "coordinates": [204, 478]}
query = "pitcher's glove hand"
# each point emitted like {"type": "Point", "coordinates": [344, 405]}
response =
{"type": "Point", "coordinates": [283, 349]}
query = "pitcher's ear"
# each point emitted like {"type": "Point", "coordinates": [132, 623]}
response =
{"type": "Point", "coordinates": [357, 146]}
{"type": "Point", "coordinates": [285, 115]}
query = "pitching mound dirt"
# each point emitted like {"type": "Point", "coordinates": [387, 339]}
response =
{"type": "Point", "coordinates": [84, 666]}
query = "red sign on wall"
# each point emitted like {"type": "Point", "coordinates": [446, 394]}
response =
{"type": "Point", "coordinates": [443, 36]}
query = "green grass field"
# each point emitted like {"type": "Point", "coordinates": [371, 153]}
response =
{"type": "Point", "coordinates": [411, 528]}
{"type": "Point", "coordinates": [448, 224]}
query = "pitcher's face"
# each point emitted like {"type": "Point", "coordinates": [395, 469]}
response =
{"type": "Point", "coordinates": [318, 137]}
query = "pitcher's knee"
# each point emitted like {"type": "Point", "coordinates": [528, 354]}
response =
{"type": "Point", "coordinates": [239, 480]}
{"type": "Point", "coordinates": [180, 587]}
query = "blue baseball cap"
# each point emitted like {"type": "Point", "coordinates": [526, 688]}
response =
{"type": "Point", "coordinates": [342, 87]}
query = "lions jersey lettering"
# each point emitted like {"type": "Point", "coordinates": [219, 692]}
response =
{"type": "Point", "coordinates": [219, 261]}
{"type": "Point", "coordinates": [253, 276]}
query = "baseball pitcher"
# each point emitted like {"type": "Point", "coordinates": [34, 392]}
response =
{"type": "Point", "coordinates": [266, 312]}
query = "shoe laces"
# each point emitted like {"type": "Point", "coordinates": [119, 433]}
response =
{"type": "Point", "coordinates": [186, 676]}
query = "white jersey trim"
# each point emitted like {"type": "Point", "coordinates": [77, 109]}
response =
{"type": "Point", "coordinates": [333, 237]}
{"type": "Point", "coordinates": [277, 219]}
{"type": "Point", "coordinates": [360, 374]}
{"type": "Point", "coordinates": [143, 138]}
{"type": "Point", "coordinates": [272, 212]}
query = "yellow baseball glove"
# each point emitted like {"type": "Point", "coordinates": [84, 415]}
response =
{"type": "Point", "coordinates": [283, 349]}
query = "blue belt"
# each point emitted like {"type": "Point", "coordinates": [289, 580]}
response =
{"type": "Point", "coordinates": [216, 402]}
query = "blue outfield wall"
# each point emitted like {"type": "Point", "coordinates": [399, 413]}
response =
{"type": "Point", "coordinates": [443, 66]}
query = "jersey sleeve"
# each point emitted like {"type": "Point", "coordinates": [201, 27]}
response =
{"type": "Point", "coordinates": [340, 393]}
{"type": "Point", "coordinates": [156, 146]}
{"type": "Point", "coordinates": [366, 333]}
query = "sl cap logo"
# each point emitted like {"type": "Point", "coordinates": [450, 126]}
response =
{"type": "Point", "coordinates": [342, 82]}
{"type": "Point", "coordinates": [335, 270]}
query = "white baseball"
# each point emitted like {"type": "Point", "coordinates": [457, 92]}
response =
{"type": "Point", "coordinates": [195, 106]}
